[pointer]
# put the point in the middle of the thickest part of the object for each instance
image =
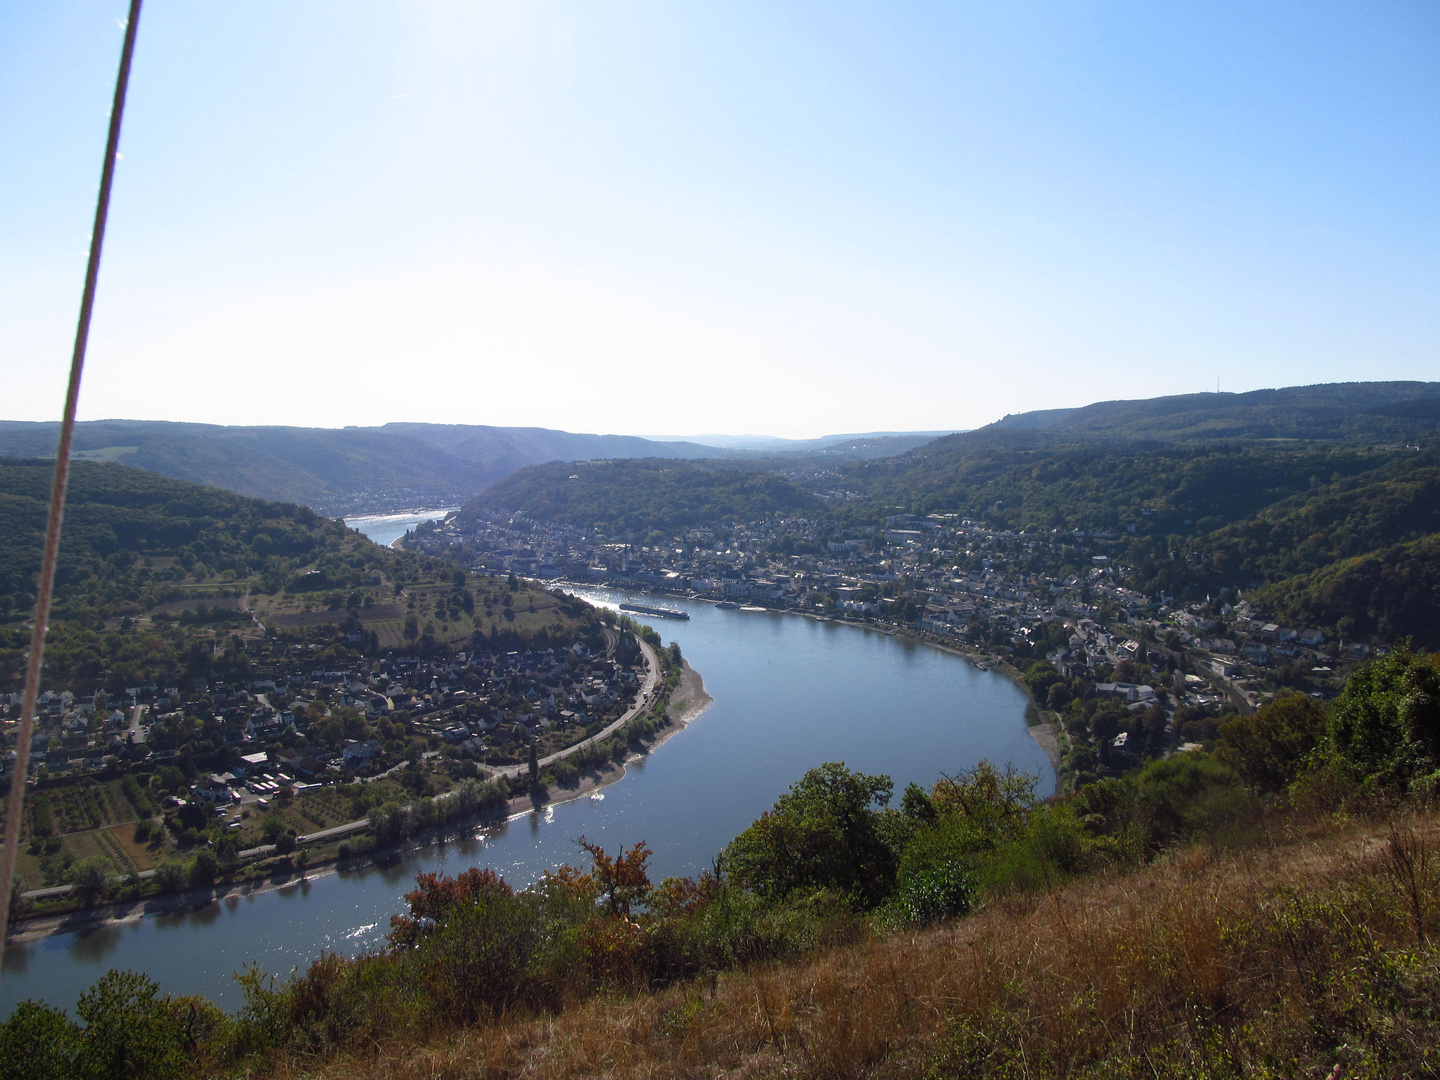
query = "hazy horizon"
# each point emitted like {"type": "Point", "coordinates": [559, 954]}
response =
{"type": "Point", "coordinates": [802, 220]}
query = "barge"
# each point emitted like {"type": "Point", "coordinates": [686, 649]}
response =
{"type": "Point", "coordinates": [658, 612]}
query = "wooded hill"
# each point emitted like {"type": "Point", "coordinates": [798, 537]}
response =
{"type": "Point", "coordinates": [1322, 494]}
{"type": "Point", "coordinates": [1388, 411]}
{"type": "Point", "coordinates": [640, 495]}
{"type": "Point", "coordinates": [396, 466]}
{"type": "Point", "coordinates": [334, 471]}
{"type": "Point", "coordinates": [132, 538]}
{"type": "Point", "coordinates": [149, 567]}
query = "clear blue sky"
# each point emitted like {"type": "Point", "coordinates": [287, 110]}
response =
{"type": "Point", "coordinates": [781, 217]}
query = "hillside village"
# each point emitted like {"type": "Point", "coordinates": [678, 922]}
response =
{"type": "Point", "coordinates": [1174, 667]}
{"type": "Point", "coordinates": [353, 719]}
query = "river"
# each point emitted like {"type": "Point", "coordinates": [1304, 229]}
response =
{"type": "Point", "coordinates": [385, 529]}
{"type": "Point", "coordinates": [790, 693]}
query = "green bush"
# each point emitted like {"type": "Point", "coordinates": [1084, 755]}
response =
{"type": "Point", "coordinates": [934, 892]}
{"type": "Point", "coordinates": [1189, 795]}
{"type": "Point", "coordinates": [822, 834]}
{"type": "Point", "coordinates": [38, 1043]}
{"type": "Point", "coordinates": [1384, 729]}
{"type": "Point", "coordinates": [1270, 748]}
{"type": "Point", "coordinates": [130, 1030]}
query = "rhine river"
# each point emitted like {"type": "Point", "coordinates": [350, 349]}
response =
{"type": "Point", "coordinates": [385, 529]}
{"type": "Point", "coordinates": [790, 693]}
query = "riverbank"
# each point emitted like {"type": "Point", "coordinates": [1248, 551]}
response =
{"type": "Point", "coordinates": [687, 702]}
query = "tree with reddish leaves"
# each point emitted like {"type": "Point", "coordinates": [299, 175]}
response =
{"type": "Point", "coordinates": [621, 880]}
{"type": "Point", "coordinates": [437, 896]}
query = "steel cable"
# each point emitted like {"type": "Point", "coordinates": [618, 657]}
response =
{"type": "Point", "coordinates": [15, 803]}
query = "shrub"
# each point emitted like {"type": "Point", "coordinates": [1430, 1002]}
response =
{"type": "Point", "coordinates": [934, 892]}
{"type": "Point", "coordinates": [1269, 748]}
{"type": "Point", "coordinates": [822, 834]}
{"type": "Point", "coordinates": [129, 1030]}
{"type": "Point", "coordinates": [1384, 729]}
{"type": "Point", "coordinates": [38, 1043]}
{"type": "Point", "coordinates": [1189, 795]}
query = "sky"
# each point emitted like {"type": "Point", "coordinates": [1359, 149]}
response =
{"type": "Point", "coordinates": [789, 218]}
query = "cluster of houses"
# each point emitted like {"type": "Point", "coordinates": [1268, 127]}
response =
{"type": "Point", "coordinates": [942, 574]}
{"type": "Point", "coordinates": [274, 730]}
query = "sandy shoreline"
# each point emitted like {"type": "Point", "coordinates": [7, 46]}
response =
{"type": "Point", "coordinates": [686, 704]}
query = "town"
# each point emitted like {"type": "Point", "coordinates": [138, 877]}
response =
{"type": "Point", "coordinates": [315, 748]}
{"type": "Point", "coordinates": [1126, 676]}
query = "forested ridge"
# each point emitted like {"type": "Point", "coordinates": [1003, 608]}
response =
{"type": "Point", "coordinates": [119, 518]}
{"type": "Point", "coordinates": [1357, 411]}
{"type": "Point", "coordinates": [644, 493]}
{"type": "Point", "coordinates": [153, 573]}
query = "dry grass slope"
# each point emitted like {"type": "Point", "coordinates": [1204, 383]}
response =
{"type": "Point", "coordinates": [1309, 953]}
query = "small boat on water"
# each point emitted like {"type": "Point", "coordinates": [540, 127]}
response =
{"type": "Point", "coordinates": [753, 607]}
{"type": "Point", "coordinates": [728, 605]}
{"type": "Point", "coordinates": [658, 612]}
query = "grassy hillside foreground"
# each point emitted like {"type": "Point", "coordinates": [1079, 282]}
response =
{"type": "Point", "coordinates": [1284, 957]}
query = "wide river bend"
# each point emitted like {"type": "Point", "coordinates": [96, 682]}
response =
{"type": "Point", "coordinates": [790, 693]}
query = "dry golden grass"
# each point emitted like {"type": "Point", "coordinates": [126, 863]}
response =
{"type": "Point", "coordinates": [1288, 958]}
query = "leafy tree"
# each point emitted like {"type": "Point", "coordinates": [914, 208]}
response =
{"type": "Point", "coordinates": [478, 960]}
{"type": "Point", "coordinates": [38, 1043]}
{"type": "Point", "coordinates": [621, 880]}
{"type": "Point", "coordinates": [203, 867]}
{"type": "Point", "coordinates": [1040, 677]}
{"type": "Point", "coordinates": [92, 878]}
{"type": "Point", "coordinates": [1058, 696]}
{"type": "Point", "coordinates": [962, 820]}
{"type": "Point", "coordinates": [1269, 748]}
{"type": "Point", "coordinates": [272, 827]}
{"type": "Point", "coordinates": [822, 834]}
{"type": "Point", "coordinates": [170, 875]}
{"type": "Point", "coordinates": [437, 896]}
{"type": "Point", "coordinates": [1189, 795]}
{"type": "Point", "coordinates": [1384, 727]}
{"type": "Point", "coordinates": [192, 816]}
{"type": "Point", "coordinates": [130, 1030]}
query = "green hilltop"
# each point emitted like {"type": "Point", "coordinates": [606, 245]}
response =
{"type": "Point", "coordinates": [643, 494]}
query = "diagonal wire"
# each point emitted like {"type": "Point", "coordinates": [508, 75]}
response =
{"type": "Point", "coordinates": [46, 587]}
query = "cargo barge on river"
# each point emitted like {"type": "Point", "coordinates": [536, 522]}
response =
{"type": "Point", "coordinates": [658, 612]}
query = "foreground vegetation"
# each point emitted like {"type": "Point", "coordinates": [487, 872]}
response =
{"type": "Point", "coordinates": [1268, 910]}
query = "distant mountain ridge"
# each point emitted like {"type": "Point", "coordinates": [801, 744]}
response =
{"type": "Point", "coordinates": [1323, 411]}
{"type": "Point", "coordinates": [335, 471]}
{"type": "Point", "coordinates": [394, 466]}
